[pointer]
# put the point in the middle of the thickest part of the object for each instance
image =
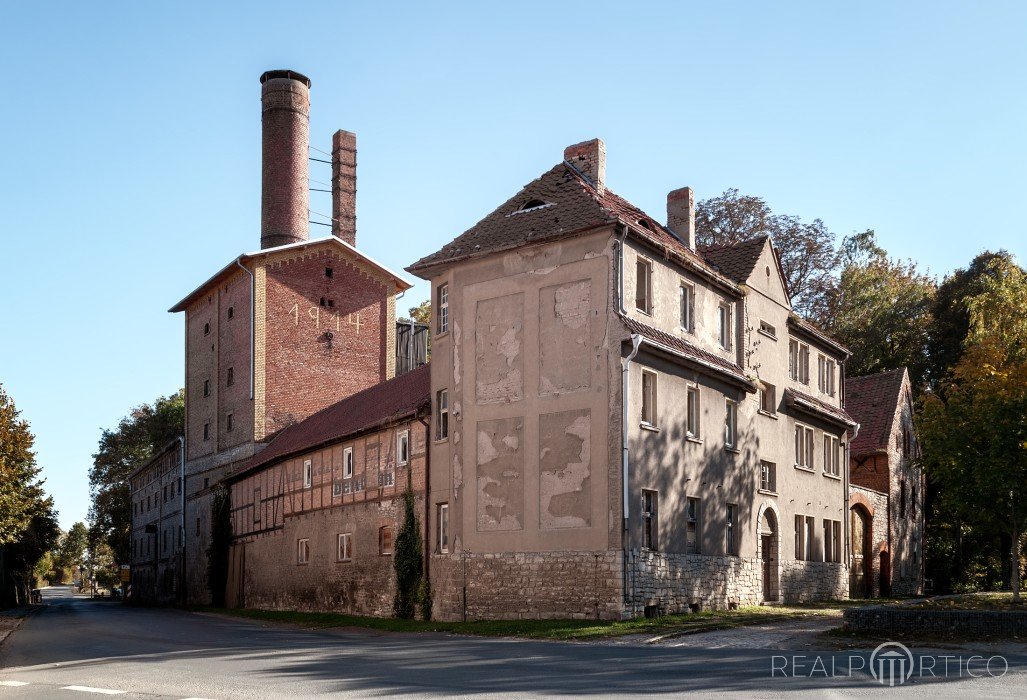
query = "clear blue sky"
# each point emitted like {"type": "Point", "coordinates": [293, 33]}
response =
{"type": "Point", "coordinates": [130, 147]}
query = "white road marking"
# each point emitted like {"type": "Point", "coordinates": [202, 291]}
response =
{"type": "Point", "coordinates": [13, 684]}
{"type": "Point", "coordinates": [87, 689]}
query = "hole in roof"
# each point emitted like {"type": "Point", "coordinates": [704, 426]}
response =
{"type": "Point", "coordinates": [531, 205]}
{"type": "Point", "coordinates": [645, 224]}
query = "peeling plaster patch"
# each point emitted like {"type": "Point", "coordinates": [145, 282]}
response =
{"type": "Point", "coordinates": [498, 358]}
{"type": "Point", "coordinates": [533, 260]}
{"type": "Point", "coordinates": [565, 499]}
{"type": "Point", "coordinates": [500, 475]}
{"type": "Point", "coordinates": [456, 353]}
{"type": "Point", "coordinates": [565, 352]}
{"type": "Point", "coordinates": [458, 474]}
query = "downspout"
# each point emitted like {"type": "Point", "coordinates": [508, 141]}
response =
{"type": "Point", "coordinates": [847, 517]}
{"type": "Point", "coordinates": [253, 324]}
{"type": "Point", "coordinates": [427, 497]}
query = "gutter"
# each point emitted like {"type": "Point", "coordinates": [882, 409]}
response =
{"type": "Point", "coordinates": [848, 467]}
{"type": "Point", "coordinates": [636, 341]}
{"type": "Point", "coordinates": [253, 324]}
{"type": "Point", "coordinates": [427, 496]}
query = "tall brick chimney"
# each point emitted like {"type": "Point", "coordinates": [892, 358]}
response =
{"type": "Point", "coordinates": [285, 197]}
{"type": "Point", "coordinates": [590, 158]}
{"type": "Point", "coordinates": [344, 186]}
{"type": "Point", "coordinates": [681, 214]}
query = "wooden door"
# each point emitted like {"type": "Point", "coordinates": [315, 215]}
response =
{"type": "Point", "coordinates": [858, 578]}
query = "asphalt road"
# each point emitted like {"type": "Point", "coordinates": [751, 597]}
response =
{"type": "Point", "coordinates": [75, 647]}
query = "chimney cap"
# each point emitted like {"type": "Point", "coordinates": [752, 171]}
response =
{"type": "Point", "coordinates": [291, 74]}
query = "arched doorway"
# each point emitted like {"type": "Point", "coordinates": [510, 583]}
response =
{"type": "Point", "coordinates": [859, 568]}
{"type": "Point", "coordinates": [769, 547]}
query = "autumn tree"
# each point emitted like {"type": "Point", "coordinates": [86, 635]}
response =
{"type": "Point", "coordinates": [973, 430]}
{"type": "Point", "coordinates": [71, 551]}
{"type": "Point", "coordinates": [806, 249]}
{"type": "Point", "coordinates": [880, 309]}
{"type": "Point", "coordinates": [138, 436]}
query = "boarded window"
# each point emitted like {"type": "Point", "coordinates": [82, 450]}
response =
{"type": "Point", "coordinates": [732, 534]}
{"type": "Point", "coordinates": [693, 514]}
{"type": "Point", "coordinates": [768, 398]}
{"type": "Point", "coordinates": [650, 519]}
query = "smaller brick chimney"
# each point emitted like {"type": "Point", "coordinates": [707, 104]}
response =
{"type": "Point", "coordinates": [344, 186]}
{"type": "Point", "coordinates": [590, 158]}
{"type": "Point", "coordinates": [681, 214]}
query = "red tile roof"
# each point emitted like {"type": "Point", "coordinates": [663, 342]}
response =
{"type": "Point", "coordinates": [815, 406]}
{"type": "Point", "coordinates": [692, 352]}
{"type": "Point", "coordinates": [873, 401]}
{"type": "Point", "coordinates": [374, 407]}
{"type": "Point", "coordinates": [735, 261]}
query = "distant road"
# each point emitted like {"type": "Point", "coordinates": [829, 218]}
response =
{"type": "Point", "coordinates": [76, 647]}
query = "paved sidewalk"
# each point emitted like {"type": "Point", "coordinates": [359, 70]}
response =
{"type": "Point", "coordinates": [788, 634]}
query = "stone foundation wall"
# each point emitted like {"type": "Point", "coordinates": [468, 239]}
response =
{"type": "Point", "coordinates": [527, 585]}
{"type": "Point", "coordinates": [804, 581]}
{"type": "Point", "coordinates": [675, 582]}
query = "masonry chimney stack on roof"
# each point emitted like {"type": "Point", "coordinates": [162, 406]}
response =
{"type": "Point", "coordinates": [681, 214]}
{"type": "Point", "coordinates": [285, 197]}
{"type": "Point", "coordinates": [344, 186]}
{"type": "Point", "coordinates": [590, 158]}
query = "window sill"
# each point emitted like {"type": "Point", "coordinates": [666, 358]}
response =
{"type": "Point", "coordinates": [649, 426]}
{"type": "Point", "coordinates": [733, 450]}
{"type": "Point", "coordinates": [769, 335]}
{"type": "Point", "coordinates": [343, 561]}
{"type": "Point", "coordinates": [440, 441]}
{"type": "Point", "coordinates": [644, 312]}
{"type": "Point", "coordinates": [833, 476]}
{"type": "Point", "coordinates": [766, 492]}
{"type": "Point", "coordinates": [440, 334]}
{"type": "Point", "coordinates": [682, 329]}
{"type": "Point", "coordinates": [692, 438]}
{"type": "Point", "coordinates": [768, 414]}
{"type": "Point", "coordinates": [803, 469]}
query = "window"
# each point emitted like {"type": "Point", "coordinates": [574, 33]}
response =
{"type": "Point", "coordinates": [344, 547]}
{"type": "Point", "coordinates": [832, 448]}
{"type": "Point", "coordinates": [825, 375]}
{"type": "Point", "coordinates": [768, 329]}
{"type": "Point", "coordinates": [648, 397]}
{"type": "Point", "coordinates": [732, 517]}
{"type": "Point", "coordinates": [206, 329]}
{"type": "Point", "coordinates": [804, 537]}
{"type": "Point", "coordinates": [443, 522]}
{"type": "Point", "coordinates": [692, 533]}
{"type": "Point", "coordinates": [336, 488]}
{"type": "Point", "coordinates": [347, 463]}
{"type": "Point", "coordinates": [256, 505]}
{"type": "Point", "coordinates": [329, 272]}
{"type": "Point", "coordinates": [804, 363]}
{"type": "Point", "coordinates": [231, 376]}
{"type": "Point", "coordinates": [687, 304]}
{"type": "Point", "coordinates": [443, 312]}
{"type": "Point", "coordinates": [650, 522]}
{"type": "Point", "coordinates": [724, 325]}
{"type": "Point", "coordinates": [731, 424]}
{"type": "Point", "coordinates": [403, 447]}
{"type": "Point", "coordinates": [832, 541]}
{"type": "Point", "coordinates": [385, 540]}
{"type": "Point", "coordinates": [302, 551]}
{"type": "Point", "coordinates": [798, 361]}
{"type": "Point", "coordinates": [644, 286]}
{"type": "Point", "coordinates": [902, 498]}
{"type": "Point", "coordinates": [231, 312]}
{"type": "Point", "coordinates": [206, 387]}
{"type": "Point", "coordinates": [768, 398]}
{"type": "Point", "coordinates": [803, 446]}
{"type": "Point", "coordinates": [206, 431]}
{"type": "Point", "coordinates": [912, 502]}
{"type": "Point", "coordinates": [308, 473]}
{"type": "Point", "coordinates": [768, 476]}
{"type": "Point", "coordinates": [692, 406]}
{"type": "Point", "coordinates": [229, 422]}
{"type": "Point", "coordinates": [442, 414]}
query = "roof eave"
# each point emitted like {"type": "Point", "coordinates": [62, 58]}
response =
{"type": "Point", "coordinates": [722, 372]}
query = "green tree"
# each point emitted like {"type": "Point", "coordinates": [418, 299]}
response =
{"type": "Point", "coordinates": [881, 309]}
{"type": "Point", "coordinates": [806, 249]}
{"type": "Point", "coordinates": [18, 471]}
{"type": "Point", "coordinates": [22, 556]}
{"type": "Point", "coordinates": [71, 551]}
{"type": "Point", "coordinates": [139, 435]}
{"type": "Point", "coordinates": [408, 561]}
{"type": "Point", "coordinates": [973, 430]}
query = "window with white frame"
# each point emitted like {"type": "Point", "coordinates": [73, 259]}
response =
{"type": "Point", "coordinates": [768, 329]}
{"type": "Point", "coordinates": [768, 398]}
{"type": "Point", "coordinates": [443, 525]}
{"type": "Point", "coordinates": [732, 535]}
{"type": "Point", "coordinates": [302, 551]}
{"type": "Point", "coordinates": [347, 463]}
{"type": "Point", "coordinates": [724, 325]}
{"type": "Point", "coordinates": [693, 525]}
{"type": "Point", "coordinates": [403, 447]}
{"type": "Point", "coordinates": [442, 295]}
{"type": "Point", "coordinates": [308, 473]}
{"type": "Point", "coordinates": [650, 519]}
{"type": "Point", "coordinates": [442, 414]}
{"type": "Point", "coordinates": [692, 408]}
{"type": "Point", "coordinates": [803, 446]}
{"type": "Point", "coordinates": [686, 300]}
{"type": "Point", "coordinates": [768, 476]}
{"type": "Point", "coordinates": [804, 363]}
{"type": "Point", "coordinates": [832, 451]}
{"type": "Point", "coordinates": [644, 285]}
{"type": "Point", "coordinates": [825, 374]}
{"type": "Point", "coordinates": [648, 397]}
{"type": "Point", "coordinates": [731, 424]}
{"type": "Point", "coordinates": [344, 548]}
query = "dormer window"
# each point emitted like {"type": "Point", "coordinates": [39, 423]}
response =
{"type": "Point", "coordinates": [531, 205]}
{"type": "Point", "coordinates": [644, 223]}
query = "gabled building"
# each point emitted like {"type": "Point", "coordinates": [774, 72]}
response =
{"type": "Point", "coordinates": [624, 422]}
{"type": "Point", "coordinates": [887, 488]}
{"type": "Point", "coordinates": [157, 534]}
